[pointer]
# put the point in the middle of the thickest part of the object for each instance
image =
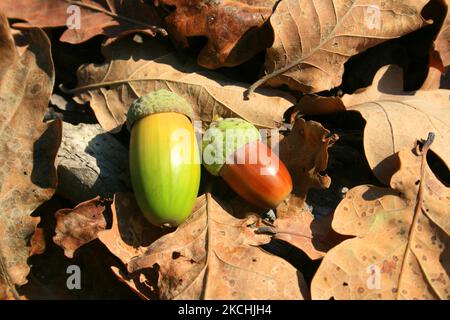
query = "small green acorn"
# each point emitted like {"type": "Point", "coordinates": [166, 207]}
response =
{"type": "Point", "coordinates": [232, 149]}
{"type": "Point", "coordinates": [164, 157]}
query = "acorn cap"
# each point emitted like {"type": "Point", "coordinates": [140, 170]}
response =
{"type": "Point", "coordinates": [157, 102]}
{"type": "Point", "coordinates": [223, 138]}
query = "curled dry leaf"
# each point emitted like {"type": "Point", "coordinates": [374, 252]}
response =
{"type": "Point", "coordinates": [109, 18]}
{"type": "Point", "coordinates": [27, 146]}
{"type": "Point", "coordinates": [38, 242]}
{"type": "Point", "coordinates": [134, 69]}
{"type": "Point", "coordinates": [439, 71]}
{"type": "Point", "coordinates": [305, 153]}
{"type": "Point", "coordinates": [131, 233]}
{"type": "Point", "coordinates": [442, 42]}
{"type": "Point", "coordinates": [214, 255]}
{"type": "Point", "coordinates": [439, 54]}
{"type": "Point", "coordinates": [299, 227]}
{"type": "Point", "coordinates": [129, 237]}
{"type": "Point", "coordinates": [313, 39]}
{"type": "Point", "coordinates": [395, 119]}
{"type": "Point", "coordinates": [438, 76]}
{"type": "Point", "coordinates": [231, 27]}
{"type": "Point", "coordinates": [402, 239]}
{"type": "Point", "coordinates": [80, 225]}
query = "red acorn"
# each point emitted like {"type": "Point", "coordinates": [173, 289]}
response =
{"type": "Point", "coordinates": [232, 149]}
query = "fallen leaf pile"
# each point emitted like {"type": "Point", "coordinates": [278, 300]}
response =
{"type": "Point", "coordinates": [369, 212]}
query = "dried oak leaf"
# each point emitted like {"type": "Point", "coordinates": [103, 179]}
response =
{"type": "Point", "coordinates": [438, 76]}
{"type": "Point", "coordinates": [28, 147]}
{"type": "Point", "coordinates": [96, 17]}
{"type": "Point", "coordinates": [442, 42]}
{"type": "Point", "coordinates": [313, 39]}
{"type": "Point", "coordinates": [37, 242]}
{"type": "Point", "coordinates": [130, 233]}
{"type": "Point", "coordinates": [401, 248]}
{"type": "Point", "coordinates": [392, 125]}
{"type": "Point", "coordinates": [232, 28]}
{"type": "Point", "coordinates": [133, 69]}
{"type": "Point", "coordinates": [387, 81]}
{"type": "Point", "coordinates": [142, 284]}
{"type": "Point", "coordinates": [129, 237]}
{"type": "Point", "coordinates": [395, 119]}
{"type": "Point", "coordinates": [212, 255]}
{"type": "Point", "coordinates": [80, 225]}
{"type": "Point", "coordinates": [305, 153]}
{"type": "Point", "coordinates": [298, 226]}
{"type": "Point", "coordinates": [439, 70]}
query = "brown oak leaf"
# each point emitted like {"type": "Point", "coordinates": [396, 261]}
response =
{"type": "Point", "coordinates": [313, 39]}
{"type": "Point", "coordinates": [80, 225]}
{"type": "Point", "coordinates": [96, 17]}
{"type": "Point", "coordinates": [439, 68]}
{"type": "Point", "coordinates": [402, 238]}
{"type": "Point", "coordinates": [130, 233]}
{"type": "Point", "coordinates": [133, 69]}
{"type": "Point", "coordinates": [212, 255]}
{"type": "Point", "coordinates": [395, 119]}
{"type": "Point", "coordinates": [305, 153]}
{"type": "Point", "coordinates": [299, 227]}
{"type": "Point", "coordinates": [28, 147]}
{"type": "Point", "coordinates": [233, 28]}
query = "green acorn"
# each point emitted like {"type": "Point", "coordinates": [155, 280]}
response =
{"type": "Point", "coordinates": [164, 157]}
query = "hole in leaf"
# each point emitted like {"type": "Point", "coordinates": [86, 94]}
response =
{"type": "Point", "coordinates": [439, 168]}
{"type": "Point", "coordinates": [175, 255]}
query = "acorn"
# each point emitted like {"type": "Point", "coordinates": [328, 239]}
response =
{"type": "Point", "coordinates": [164, 157]}
{"type": "Point", "coordinates": [232, 149]}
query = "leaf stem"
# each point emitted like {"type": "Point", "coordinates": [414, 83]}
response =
{"type": "Point", "coordinates": [418, 206]}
